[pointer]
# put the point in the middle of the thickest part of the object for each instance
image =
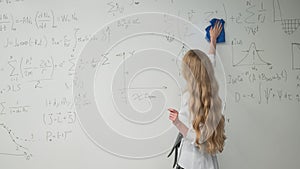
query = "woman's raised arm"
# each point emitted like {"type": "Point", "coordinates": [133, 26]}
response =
{"type": "Point", "coordinates": [214, 34]}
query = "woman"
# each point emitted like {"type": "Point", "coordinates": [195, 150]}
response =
{"type": "Point", "coordinates": [204, 136]}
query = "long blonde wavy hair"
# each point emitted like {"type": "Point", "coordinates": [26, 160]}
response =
{"type": "Point", "coordinates": [205, 104]}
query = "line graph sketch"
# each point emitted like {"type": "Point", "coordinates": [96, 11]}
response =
{"type": "Point", "coordinates": [14, 148]}
{"type": "Point", "coordinates": [289, 25]}
{"type": "Point", "coordinates": [296, 56]}
{"type": "Point", "coordinates": [251, 58]}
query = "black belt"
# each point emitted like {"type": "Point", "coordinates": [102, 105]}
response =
{"type": "Point", "coordinates": [175, 147]}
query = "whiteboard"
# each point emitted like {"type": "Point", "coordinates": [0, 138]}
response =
{"type": "Point", "coordinates": [86, 84]}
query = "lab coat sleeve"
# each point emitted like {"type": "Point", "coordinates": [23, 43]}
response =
{"type": "Point", "coordinates": [212, 58]}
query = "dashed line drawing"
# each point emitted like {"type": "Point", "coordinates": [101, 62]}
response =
{"type": "Point", "coordinates": [124, 90]}
{"type": "Point", "coordinates": [2, 107]}
{"type": "Point", "coordinates": [20, 150]}
{"type": "Point", "coordinates": [72, 61]}
{"type": "Point", "coordinates": [290, 25]}
{"type": "Point", "coordinates": [295, 56]}
{"type": "Point", "coordinates": [76, 38]}
{"type": "Point", "coordinates": [251, 58]}
{"type": "Point", "coordinates": [181, 53]}
{"type": "Point", "coordinates": [168, 29]}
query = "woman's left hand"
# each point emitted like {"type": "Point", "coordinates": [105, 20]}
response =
{"type": "Point", "coordinates": [174, 116]}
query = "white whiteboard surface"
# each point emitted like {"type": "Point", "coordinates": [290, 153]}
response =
{"type": "Point", "coordinates": [86, 84]}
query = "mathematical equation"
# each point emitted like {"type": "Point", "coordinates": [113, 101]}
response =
{"type": "Point", "coordinates": [15, 109]}
{"type": "Point", "coordinates": [116, 7]}
{"type": "Point", "coordinates": [59, 118]}
{"type": "Point", "coordinates": [265, 87]}
{"type": "Point", "coordinates": [40, 20]}
{"type": "Point", "coordinates": [247, 77]}
{"type": "Point", "coordinates": [252, 17]}
{"type": "Point", "coordinates": [65, 41]}
{"type": "Point", "coordinates": [52, 136]}
{"type": "Point", "coordinates": [267, 95]}
{"type": "Point", "coordinates": [38, 52]}
{"type": "Point", "coordinates": [11, 1]}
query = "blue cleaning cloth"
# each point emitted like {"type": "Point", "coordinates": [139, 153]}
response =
{"type": "Point", "coordinates": [221, 37]}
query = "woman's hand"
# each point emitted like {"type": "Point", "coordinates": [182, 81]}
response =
{"type": "Point", "coordinates": [180, 126]}
{"type": "Point", "coordinates": [214, 34]}
{"type": "Point", "coordinates": [174, 116]}
{"type": "Point", "coordinates": [215, 31]}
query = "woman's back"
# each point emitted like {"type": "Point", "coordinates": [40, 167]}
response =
{"type": "Point", "coordinates": [202, 122]}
